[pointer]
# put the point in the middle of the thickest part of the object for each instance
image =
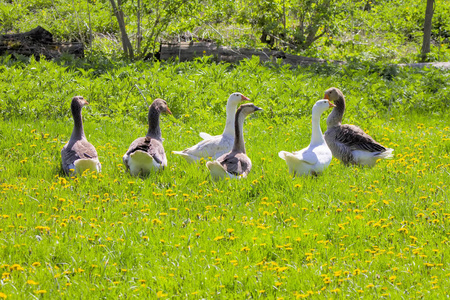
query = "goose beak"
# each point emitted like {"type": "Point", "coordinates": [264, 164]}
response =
{"type": "Point", "coordinates": [85, 102]}
{"type": "Point", "coordinates": [331, 104]}
{"type": "Point", "coordinates": [168, 111]}
{"type": "Point", "coordinates": [326, 96]}
{"type": "Point", "coordinates": [243, 98]}
{"type": "Point", "coordinates": [258, 108]}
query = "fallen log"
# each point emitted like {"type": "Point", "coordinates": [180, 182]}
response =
{"type": "Point", "coordinates": [186, 51]}
{"type": "Point", "coordinates": [37, 42]}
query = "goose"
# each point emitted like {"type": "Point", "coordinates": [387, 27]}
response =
{"type": "Point", "coordinates": [349, 143]}
{"type": "Point", "coordinates": [315, 158]}
{"type": "Point", "coordinates": [234, 163]}
{"type": "Point", "coordinates": [78, 154]}
{"type": "Point", "coordinates": [215, 146]}
{"type": "Point", "coordinates": [146, 154]}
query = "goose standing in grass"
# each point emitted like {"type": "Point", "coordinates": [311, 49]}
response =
{"type": "Point", "coordinates": [349, 143]}
{"type": "Point", "coordinates": [78, 154]}
{"type": "Point", "coordinates": [235, 163]}
{"type": "Point", "coordinates": [215, 146]}
{"type": "Point", "coordinates": [146, 154]}
{"type": "Point", "coordinates": [317, 156]}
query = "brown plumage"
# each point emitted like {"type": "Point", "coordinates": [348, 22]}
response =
{"type": "Point", "coordinates": [78, 154]}
{"type": "Point", "coordinates": [234, 163]}
{"type": "Point", "coordinates": [349, 143]}
{"type": "Point", "coordinates": [147, 153]}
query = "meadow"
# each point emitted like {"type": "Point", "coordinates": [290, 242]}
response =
{"type": "Point", "coordinates": [377, 232]}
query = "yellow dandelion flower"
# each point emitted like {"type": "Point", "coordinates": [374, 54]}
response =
{"type": "Point", "coordinates": [40, 292]}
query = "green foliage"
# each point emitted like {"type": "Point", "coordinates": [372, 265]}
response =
{"type": "Point", "coordinates": [386, 31]}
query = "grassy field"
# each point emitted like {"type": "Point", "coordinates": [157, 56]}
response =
{"type": "Point", "coordinates": [352, 232]}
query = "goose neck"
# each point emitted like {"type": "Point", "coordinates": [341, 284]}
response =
{"type": "Point", "coordinates": [336, 115]}
{"type": "Point", "coordinates": [78, 131]}
{"type": "Point", "coordinates": [229, 125]}
{"type": "Point", "coordinates": [154, 131]}
{"type": "Point", "coordinates": [316, 132]}
{"type": "Point", "coordinates": [239, 145]}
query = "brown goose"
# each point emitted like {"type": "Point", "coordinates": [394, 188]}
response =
{"type": "Point", "coordinates": [78, 154]}
{"type": "Point", "coordinates": [147, 153]}
{"type": "Point", "coordinates": [234, 163]}
{"type": "Point", "coordinates": [349, 143]}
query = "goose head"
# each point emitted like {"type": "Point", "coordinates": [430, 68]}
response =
{"type": "Point", "coordinates": [248, 108]}
{"type": "Point", "coordinates": [78, 102]}
{"type": "Point", "coordinates": [334, 94]}
{"type": "Point", "coordinates": [160, 106]}
{"type": "Point", "coordinates": [237, 98]}
{"type": "Point", "coordinates": [321, 106]}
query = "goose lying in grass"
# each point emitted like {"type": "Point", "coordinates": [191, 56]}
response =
{"type": "Point", "coordinates": [349, 143]}
{"type": "Point", "coordinates": [146, 154]}
{"type": "Point", "coordinates": [78, 154]}
{"type": "Point", "coordinates": [215, 146]}
{"type": "Point", "coordinates": [317, 156]}
{"type": "Point", "coordinates": [235, 163]}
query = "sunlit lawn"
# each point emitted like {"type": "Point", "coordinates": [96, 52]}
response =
{"type": "Point", "coordinates": [358, 232]}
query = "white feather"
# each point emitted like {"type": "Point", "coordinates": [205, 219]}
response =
{"type": "Point", "coordinates": [82, 164]}
{"type": "Point", "coordinates": [218, 172]}
{"type": "Point", "coordinates": [141, 163]}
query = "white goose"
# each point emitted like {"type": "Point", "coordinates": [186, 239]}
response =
{"type": "Point", "coordinates": [349, 143]}
{"type": "Point", "coordinates": [315, 158]}
{"type": "Point", "coordinates": [236, 163]}
{"type": "Point", "coordinates": [215, 146]}
{"type": "Point", "coordinates": [78, 154]}
{"type": "Point", "coordinates": [146, 154]}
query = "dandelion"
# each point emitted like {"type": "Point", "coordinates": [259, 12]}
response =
{"type": "Point", "coordinates": [40, 292]}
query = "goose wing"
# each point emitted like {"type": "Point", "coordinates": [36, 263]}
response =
{"type": "Point", "coordinates": [152, 147]}
{"type": "Point", "coordinates": [356, 139]}
{"type": "Point", "coordinates": [236, 163]}
{"type": "Point", "coordinates": [211, 146]}
{"type": "Point", "coordinates": [308, 157]}
{"type": "Point", "coordinates": [205, 136]}
{"type": "Point", "coordinates": [80, 149]}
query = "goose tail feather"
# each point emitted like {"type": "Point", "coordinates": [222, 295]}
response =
{"type": "Point", "coordinates": [216, 170]}
{"type": "Point", "coordinates": [189, 158]}
{"type": "Point", "coordinates": [386, 154]}
{"type": "Point", "coordinates": [84, 164]}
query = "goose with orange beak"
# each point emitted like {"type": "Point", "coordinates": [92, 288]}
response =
{"type": "Point", "coordinates": [215, 146]}
{"type": "Point", "coordinates": [315, 158]}
{"type": "Point", "coordinates": [349, 143]}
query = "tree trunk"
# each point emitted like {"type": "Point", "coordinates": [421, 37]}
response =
{"type": "Point", "coordinates": [427, 29]}
{"type": "Point", "coordinates": [126, 44]}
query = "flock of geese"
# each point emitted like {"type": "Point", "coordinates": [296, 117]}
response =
{"type": "Point", "coordinates": [348, 143]}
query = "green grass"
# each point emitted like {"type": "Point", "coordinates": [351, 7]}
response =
{"type": "Point", "coordinates": [352, 232]}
